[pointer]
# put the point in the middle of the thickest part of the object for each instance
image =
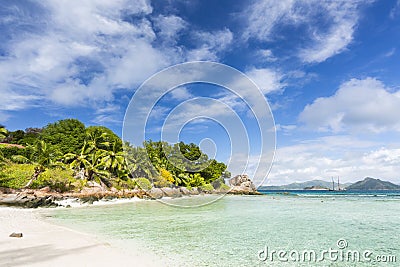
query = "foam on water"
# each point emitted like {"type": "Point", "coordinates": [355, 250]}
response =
{"type": "Point", "coordinates": [75, 202]}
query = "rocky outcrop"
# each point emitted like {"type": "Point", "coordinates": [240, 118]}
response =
{"type": "Point", "coordinates": [194, 191]}
{"type": "Point", "coordinates": [5, 190]}
{"type": "Point", "coordinates": [241, 184]}
{"type": "Point", "coordinates": [45, 197]}
{"type": "Point", "coordinates": [30, 198]}
{"type": "Point", "coordinates": [155, 193]}
{"type": "Point", "coordinates": [184, 191]}
{"type": "Point", "coordinates": [171, 192]}
{"type": "Point", "coordinates": [27, 200]}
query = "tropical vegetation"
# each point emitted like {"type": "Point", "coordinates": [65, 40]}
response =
{"type": "Point", "coordinates": [65, 155]}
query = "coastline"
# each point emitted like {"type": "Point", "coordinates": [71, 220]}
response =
{"type": "Point", "coordinates": [34, 198]}
{"type": "Point", "coordinates": [47, 244]}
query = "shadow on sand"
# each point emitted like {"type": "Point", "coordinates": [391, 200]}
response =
{"type": "Point", "coordinates": [35, 254]}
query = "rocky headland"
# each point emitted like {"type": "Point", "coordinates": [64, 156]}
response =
{"type": "Point", "coordinates": [44, 197]}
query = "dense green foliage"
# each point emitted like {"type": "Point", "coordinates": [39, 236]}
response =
{"type": "Point", "coordinates": [27, 137]}
{"type": "Point", "coordinates": [142, 183]}
{"type": "Point", "coordinates": [65, 154]}
{"type": "Point", "coordinates": [9, 151]}
{"type": "Point", "coordinates": [15, 175]}
{"type": "Point", "coordinates": [206, 187]}
{"type": "Point", "coordinates": [66, 135]}
{"type": "Point", "coordinates": [58, 179]}
{"type": "Point", "coordinates": [104, 137]}
{"type": "Point", "coordinates": [186, 163]}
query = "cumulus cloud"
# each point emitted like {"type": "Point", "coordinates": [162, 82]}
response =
{"type": "Point", "coordinates": [82, 53]}
{"type": "Point", "coordinates": [358, 106]}
{"type": "Point", "coordinates": [66, 54]}
{"type": "Point", "coordinates": [324, 40]}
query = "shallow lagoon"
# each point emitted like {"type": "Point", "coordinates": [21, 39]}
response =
{"type": "Point", "coordinates": [235, 230]}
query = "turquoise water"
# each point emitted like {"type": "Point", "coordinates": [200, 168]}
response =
{"type": "Point", "coordinates": [233, 230]}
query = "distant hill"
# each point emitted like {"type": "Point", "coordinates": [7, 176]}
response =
{"type": "Point", "coordinates": [373, 184]}
{"type": "Point", "coordinates": [301, 186]}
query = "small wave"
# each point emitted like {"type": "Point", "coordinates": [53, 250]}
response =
{"type": "Point", "coordinates": [76, 202]}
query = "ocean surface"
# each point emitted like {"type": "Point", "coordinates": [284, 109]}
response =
{"type": "Point", "coordinates": [280, 228]}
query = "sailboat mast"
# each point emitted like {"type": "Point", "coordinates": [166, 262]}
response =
{"type": "Point", "coordinates": [338, 184]}
{"type": "Point", "coordinates": [333, 184]}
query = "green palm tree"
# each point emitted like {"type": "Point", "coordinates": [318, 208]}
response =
{"type": "Point", "coordinates": [3, 132]}
{"type": "Point", "coordinates": [90, 160]}
{"type": "Point", "coordinates": [2, 159]}
{"type": "Point", "coordinates": [113, 160]}
{"type": "Point", "coordinates": [95, 141]}
{"type": "Point", "coordinates": [42, 156]}
{"type": "Point", "coordinates": [138, 162]}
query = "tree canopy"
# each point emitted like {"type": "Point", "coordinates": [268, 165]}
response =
{"type": "Point", "coordinates": [66, 135]}
{"type": "Point", "coordinates": [179, 164]}
{"type": "Point", "coordinates": [96, 152]}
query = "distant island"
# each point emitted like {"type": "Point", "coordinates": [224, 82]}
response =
{"type": "Point", "coordinates": [366, 184]}
{"type": "Point", "coordinates": [373, 184]}
{"type": "Point", "coordinates": [308, 185]}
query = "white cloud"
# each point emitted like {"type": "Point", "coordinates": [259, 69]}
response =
{"type": "Point", "coordinates": [267, 55]}
{"type": "Point", "coordinates": [139, 60]}
{"type": "Point", "coordinates": [181, 93]}
{"type": "Point", "coordinates": [334, 41]}
{"type": "Point", "coordinates": [218, 109]}
{"type": "Point", "coordinates": [358, 106]}
{"type": "Point", "coordinates": [390, 53]}
{"type": "Point", "coordinates": [263, 16]}
{"type": "Point", "coordinates": [345, 156]}
{"type": "Point", "coordinates": [264, 19]}
{"type": "Point", "coordinates": [285, 129]}
{"type": "Point", "coordinates": [107, 119]}
{"type": "Point", "coordinates": [68, 54]}
{"type": "Point", "coordinates": [210, 44]}
{"type": "Point", "coordinates": [267, 80]}
{"type": "Point", "coordinates": [109, 113]}
{"type": "Point", "coordinates": [13, 101]}
{"type": "Point", "coordinates": [394, 12]}
{"type": "Point", "coordinates": [170, 26]}
{"type": "Point", "coordinates": [81, 54]}
{"type": "Point", "coordinates": [92, 18]}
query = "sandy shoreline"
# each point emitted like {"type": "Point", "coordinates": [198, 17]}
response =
{"type": "Point", "coordinates": [46, 244]}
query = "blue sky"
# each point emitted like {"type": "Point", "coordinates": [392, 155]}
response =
{"type": "Point", "coordinates": [329, 69]}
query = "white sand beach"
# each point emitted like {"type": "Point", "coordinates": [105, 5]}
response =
{"type": "Point", "coordinates": [45, 244]}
